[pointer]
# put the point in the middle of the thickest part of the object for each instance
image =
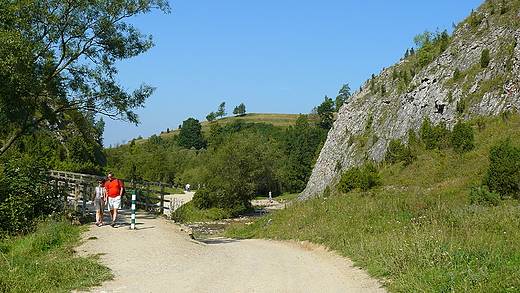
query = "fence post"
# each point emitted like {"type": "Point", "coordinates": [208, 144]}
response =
{"type": "Point", "coordinates": [162, 200]}
{"type": "Point", "coordinates": [85, 198]}
{"type": "Point", "coordinates": [76, 197]}
{"type": "Point", "coordinates": [132, 225]}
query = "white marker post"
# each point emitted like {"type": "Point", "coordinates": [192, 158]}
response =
{"type": "Point", "coordinates": [132, 225]}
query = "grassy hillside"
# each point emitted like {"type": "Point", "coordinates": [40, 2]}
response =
{"type": "Point", "coordinates": [418, 232]}
{"type": "Point", "coordinates": [283, 120]}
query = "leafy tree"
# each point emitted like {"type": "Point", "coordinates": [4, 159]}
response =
{"type": "Point", "coordinates": [244, 167]}
{"type": "Point", "coordinates": [426, 48]}
{"type": "Point", "coordinates": [221, 112]}
{"type": "Point", "coordinates": [344, 94]}
{"type": "Point", "coordinates": [326, 113]}
{"type": "Point", "coordinates": [215, 137]}
{"type": "Point", "coordinates": [369, 177]}
{"type": "Point", "coordinates": [430, 45]}
{"type": "Point", "coordinates": [300, 145]}
{"type": "Point", "coordinates": [57, 60]}
{"type": "Point", "coordinates": [240, 109]}
{"type": "Point", "coordinates": [78, 148]}
{"type": "Point", "coordinates": [211, 116]}
{"type": "Point", "coordinates": [190, 135]}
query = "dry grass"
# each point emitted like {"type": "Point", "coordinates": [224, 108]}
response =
{"type": "Point", "coordinates": [282, 120]}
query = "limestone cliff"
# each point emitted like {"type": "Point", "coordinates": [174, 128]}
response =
{"type": "Point", "coordinates": [460, 82]}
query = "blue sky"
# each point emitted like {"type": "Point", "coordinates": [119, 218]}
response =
{"type": "Point", "coordinates": [279, 56]}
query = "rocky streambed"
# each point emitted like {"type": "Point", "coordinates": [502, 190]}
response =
{"type": "Point", "coordinates": [215, 228]}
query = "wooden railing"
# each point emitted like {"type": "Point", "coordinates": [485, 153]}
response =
{"type": "Point", "coordinates": [80, 187]}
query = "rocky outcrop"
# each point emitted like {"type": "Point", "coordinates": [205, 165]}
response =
{"type": "Point", "coordinates": [454, 86]}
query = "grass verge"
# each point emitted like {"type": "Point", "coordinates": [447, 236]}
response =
{"type": "Point", "coordinates": [45, 261]}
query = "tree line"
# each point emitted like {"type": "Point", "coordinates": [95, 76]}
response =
{"type": "Point", "coordinates": [234, 163]}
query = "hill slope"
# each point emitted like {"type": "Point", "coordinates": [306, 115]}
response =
{"type": "Point", "coordinates": [475, 72]}
{"type": "Point", "coordinates": [282, 120]}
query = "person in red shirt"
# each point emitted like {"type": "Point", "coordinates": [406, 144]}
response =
{"type": "Point", "coordinates": [114, 189]}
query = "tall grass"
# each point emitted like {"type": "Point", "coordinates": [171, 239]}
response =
{"type": "Point", "coordinates": [45, 261]}
{"type": "Point", "coordinates": [418, 233]}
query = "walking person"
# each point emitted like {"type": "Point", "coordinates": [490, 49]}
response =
{"type": "Point", "coordinates": [114, 188]}
{"type": "Point", "coordinates": [99, 199]}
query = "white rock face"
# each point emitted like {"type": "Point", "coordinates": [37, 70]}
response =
{"type": "Point", "coordinates": [369, 119]}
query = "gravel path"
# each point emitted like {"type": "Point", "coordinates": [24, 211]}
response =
{"type": "Point", "coordinates": [159, 257]}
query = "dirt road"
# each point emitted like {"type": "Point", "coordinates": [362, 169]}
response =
{"type": "Point", "coordinates": [159, 257]}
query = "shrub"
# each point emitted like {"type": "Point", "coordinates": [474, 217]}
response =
{"type": "Point", "coordinates": [188, 212]}
{"type": "Point", "coordinates": [434, 136]}
{"type": "Point", "coordinates": [369, 177]}
{"type": "Point", "coordinates": [349, 180]}
{"type": "Point", "coordinates": [202, 199]}
{"type": "Point", "coordinates": [462, 138]}
{"type": "Point", "coordinates": [456, 74]}
{"type": "Point", "coordinates": [25, 195]}
{"type": "Point", "coordinates": [482, 195]}
{"type": "Point", "coordinates": [504, 169]}
{"type": "Point", "coordinates": [364, 178]}
{"type": "Point", "coordinates": [461, 106]}
{"type": "Point", "coordinates": [397, 152]}
{"type": "Point", "coordinates": [484, 58]}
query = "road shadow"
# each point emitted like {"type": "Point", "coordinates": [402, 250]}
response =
{"type": "Point", "coordinates": [217, 240]}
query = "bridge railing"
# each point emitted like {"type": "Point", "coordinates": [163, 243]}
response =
{"type": "Point", "coordinates": [80, 187]}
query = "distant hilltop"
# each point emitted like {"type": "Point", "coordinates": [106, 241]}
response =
{"type": "Point", "coordinates": [282, 120]}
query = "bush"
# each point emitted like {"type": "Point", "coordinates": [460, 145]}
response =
{"type": "Point", "coordinates": [188, 212]}
{"type": "Point", "coordinates": [349, 180]}
{"type": "Point", "coordinates": [369, 177]}
{"type": "Point", "coordinates": [364, 178]}
{"type": "Point", "coordinates": [434, 137]}
{"type": "Point", "coordinates": [25, 195]}
{"type": "Point", "coordinates": [503, 173]}
{"type": "Point", "coordinates": [202, 199]}
{"type": "Point", "coordinates": [482, 195]}
{"type": "Point", "coordinates": [397, 152]}
{"type": "Point", "coordinates": [484, 58]}
{"type": "Point", "coordinates": [462, 138]}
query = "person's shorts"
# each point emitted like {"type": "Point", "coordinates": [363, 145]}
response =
{"type": "Point", "coordinates": [99, 204]}
{"type": "Point", "coordinates": [114, 203]}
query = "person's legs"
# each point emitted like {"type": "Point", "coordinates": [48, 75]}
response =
{"type": "Point", "coordinates": [114, 204]}
{"type": "Point", "coordinates": [101, 213]}
{"type": "Point", "coordinates": [115, 215]}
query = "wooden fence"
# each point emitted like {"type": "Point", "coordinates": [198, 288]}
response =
{"type": "Point", "coordinates": [80, 187]}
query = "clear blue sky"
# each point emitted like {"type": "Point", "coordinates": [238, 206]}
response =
{"type": "Point", "coordinates": [278, 56]}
